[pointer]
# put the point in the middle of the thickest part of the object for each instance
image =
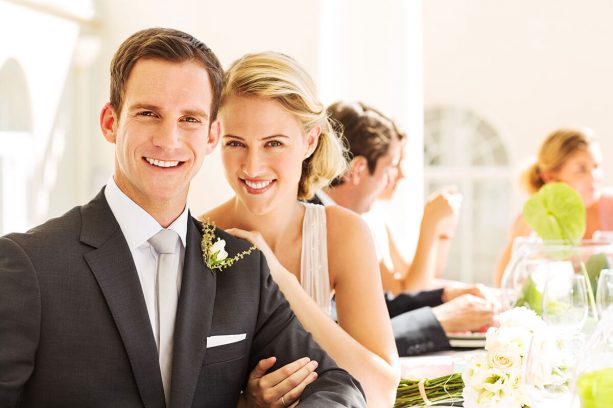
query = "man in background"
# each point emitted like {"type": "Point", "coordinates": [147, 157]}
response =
{"type": "Point", "coordinates": [422, 318]}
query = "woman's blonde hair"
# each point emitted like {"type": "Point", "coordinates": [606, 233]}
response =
{"type": "Point", "coordinates": [278, 77]}
{"type": "Point", "coordinates": [554, 151]}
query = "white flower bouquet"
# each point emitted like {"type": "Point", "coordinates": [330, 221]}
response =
{"type": "Point", "coordinates": [502, 377]}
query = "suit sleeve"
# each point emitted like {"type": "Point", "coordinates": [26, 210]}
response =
{"type": "Point", "coordinates": [19, 320]}
{"type": "Point", "coordinates": [405, 302]}
{"type": "Point", "coordinates": [278, 333]}
{"type": "Point", "coordinates": [418, 332]}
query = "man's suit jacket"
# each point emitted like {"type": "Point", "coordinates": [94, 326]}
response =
{"type": "Point", "coordinates": [74, 328]}
{"type": "Point", "coordinates": [416, 329]}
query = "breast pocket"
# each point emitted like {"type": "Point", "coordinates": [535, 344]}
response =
{"type": "Point", "coordinates": [220, 353]}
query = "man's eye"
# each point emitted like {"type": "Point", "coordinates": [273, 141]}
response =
{"type": "Point", "coordinates": [146, 113]}
{"type": "Point", "coordinates": [191, 119]}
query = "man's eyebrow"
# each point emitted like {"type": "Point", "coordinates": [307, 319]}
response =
{"type": "Point", "coordinates": [197, 112]}
{"type": "Point", "coordinates": [188, 112]}
{"type": "Point", "coordinates": [146, 106]}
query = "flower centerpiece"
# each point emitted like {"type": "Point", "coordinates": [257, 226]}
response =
{"type": "Point", "coordinates": [214, 249]}
{"type": "Point", "coordinates": [498, 377]}
{"type": "Point", "coordinates": [556, 213]}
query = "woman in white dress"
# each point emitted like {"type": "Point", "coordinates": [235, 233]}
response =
{"type": "Point", "coordinates": [278, 147]}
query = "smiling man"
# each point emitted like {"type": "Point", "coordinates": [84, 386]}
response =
{"type": "Point", "coordinates": [112, 304]}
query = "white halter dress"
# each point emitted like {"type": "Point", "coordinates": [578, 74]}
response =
{"type": "Point", "coordinates": [314, 276]}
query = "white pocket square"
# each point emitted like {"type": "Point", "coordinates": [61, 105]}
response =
{"type": "Point", "coordinates": [214, 341]}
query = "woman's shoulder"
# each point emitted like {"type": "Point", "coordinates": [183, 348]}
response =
{"type": "Point", "coordinates": [218, 215]}
{"type": "Point", "coordinates": [520, 227]}
{"type": "Point", "coordinates": [345, 227]}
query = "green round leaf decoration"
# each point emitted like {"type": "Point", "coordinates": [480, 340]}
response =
{"type": "Point", "coordinates": [556, 213]}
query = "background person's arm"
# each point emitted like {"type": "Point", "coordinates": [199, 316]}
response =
{"type": "Point", "coordinates": [436, 231]}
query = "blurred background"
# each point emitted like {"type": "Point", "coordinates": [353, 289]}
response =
{"type": "Point", "coordinates": [476, 85]}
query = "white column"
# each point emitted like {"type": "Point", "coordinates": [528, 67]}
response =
{"type": "Point", "coordinates": [372, 51]}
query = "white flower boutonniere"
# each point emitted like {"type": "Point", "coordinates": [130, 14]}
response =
{"type": "Point", "coordinates": [214, 250]}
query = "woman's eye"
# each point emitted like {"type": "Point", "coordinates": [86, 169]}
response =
{"type": "Point", "coordinates": [274, 143]}
{"type": "Point", "coordinates": [233, 143]}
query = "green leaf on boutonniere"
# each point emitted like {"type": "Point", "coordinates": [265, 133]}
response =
{"type": "Point", "coordinates": [214, 252]}
{"type": "Point", "coordinates": [556, 213]}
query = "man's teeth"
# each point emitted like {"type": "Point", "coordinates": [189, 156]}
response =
{"type": "Point", "coordinates": [161, 163]}
{"type": "Point", "coordinates": [257, 185]}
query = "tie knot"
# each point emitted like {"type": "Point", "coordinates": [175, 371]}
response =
{"type": "Point", "coordinates": [165, 241]}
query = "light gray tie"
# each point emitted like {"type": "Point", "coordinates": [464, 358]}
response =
{"type": "Point", "coordinates": [165, 244]}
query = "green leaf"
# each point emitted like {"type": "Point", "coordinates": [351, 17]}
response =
{"type": "Point", "coordinates": [530, 297]}
{"type": "Point", "coordinates": [556, 213]}
{"type": "Point", "coordinates": [594, 265]}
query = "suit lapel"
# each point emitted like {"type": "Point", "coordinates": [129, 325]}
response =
{"type": "Point", "coordinates": [194, 318]}
{"type": "Point", "coordinates": [112, 265]}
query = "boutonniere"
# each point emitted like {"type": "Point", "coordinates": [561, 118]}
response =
{"type": "Point", "coordinates": [214, 249]}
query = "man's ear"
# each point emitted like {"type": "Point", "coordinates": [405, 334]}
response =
{"type": "Point", "coordinates": [214, 136]}
{"type": "Point", "coordinates": [108, 123]}
{"type": "Point", "coordinates": [312, 140]}
{"type": "Point", "coordinates": [358, 168]}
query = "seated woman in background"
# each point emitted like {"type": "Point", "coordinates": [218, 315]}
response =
{"type": "Point", "coordinates": [278, 148]}
{"type": "Point", "coordinates": [573, 157]}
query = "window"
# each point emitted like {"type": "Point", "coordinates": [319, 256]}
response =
{"type": "Point", "coordinates": [463, 149]}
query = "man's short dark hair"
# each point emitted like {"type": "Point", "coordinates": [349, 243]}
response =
{"type": "Point", "coordinates": [164, 44]}
{"type": "Point", "coordinates": [367, 132]}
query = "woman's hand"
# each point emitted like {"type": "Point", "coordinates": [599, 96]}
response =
{"type": "Point", "coordinates": [258, 240]}
{"type": "Point", "coordinates": [281, 388]}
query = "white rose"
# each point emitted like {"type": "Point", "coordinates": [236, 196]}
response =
{"type": "Point", "coordinates": [521, 317]}
{"type": "Point", "coordinates": [508, 340]}
{"type": "Point", "coordinates": [505, 360]}
{"type": "Point", "coordinates": [218, 249]}
{"type": "Point", "coordinates": [475, 372]}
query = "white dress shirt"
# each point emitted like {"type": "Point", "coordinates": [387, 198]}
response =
{"type": "Point", "coordinates": [138, 226]}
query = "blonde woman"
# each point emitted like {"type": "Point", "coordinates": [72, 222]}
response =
{"type": "Point", "coordinates": [278, 147]}
{"type": "Point", "coordinates": [573, 157]}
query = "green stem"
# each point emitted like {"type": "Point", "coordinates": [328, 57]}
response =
{"type": "Point", "coordinates": [590, 293]}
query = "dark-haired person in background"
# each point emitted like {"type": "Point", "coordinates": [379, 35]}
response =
{"type": "Point", "coordinates": [421, 319]}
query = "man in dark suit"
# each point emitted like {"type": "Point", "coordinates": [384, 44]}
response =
{"type": "Point", "coordinates": [111, 304]}
{"type": "Point", "coordinates": [420, 320]}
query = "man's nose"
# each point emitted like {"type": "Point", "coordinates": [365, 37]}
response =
{"type": "Point", "coordinates": [167, 135]}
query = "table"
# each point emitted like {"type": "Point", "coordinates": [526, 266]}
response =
{"type": "Point", "coordinates": [435, 364]}
{"type": "Point", "coordinates": [447, 362]}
